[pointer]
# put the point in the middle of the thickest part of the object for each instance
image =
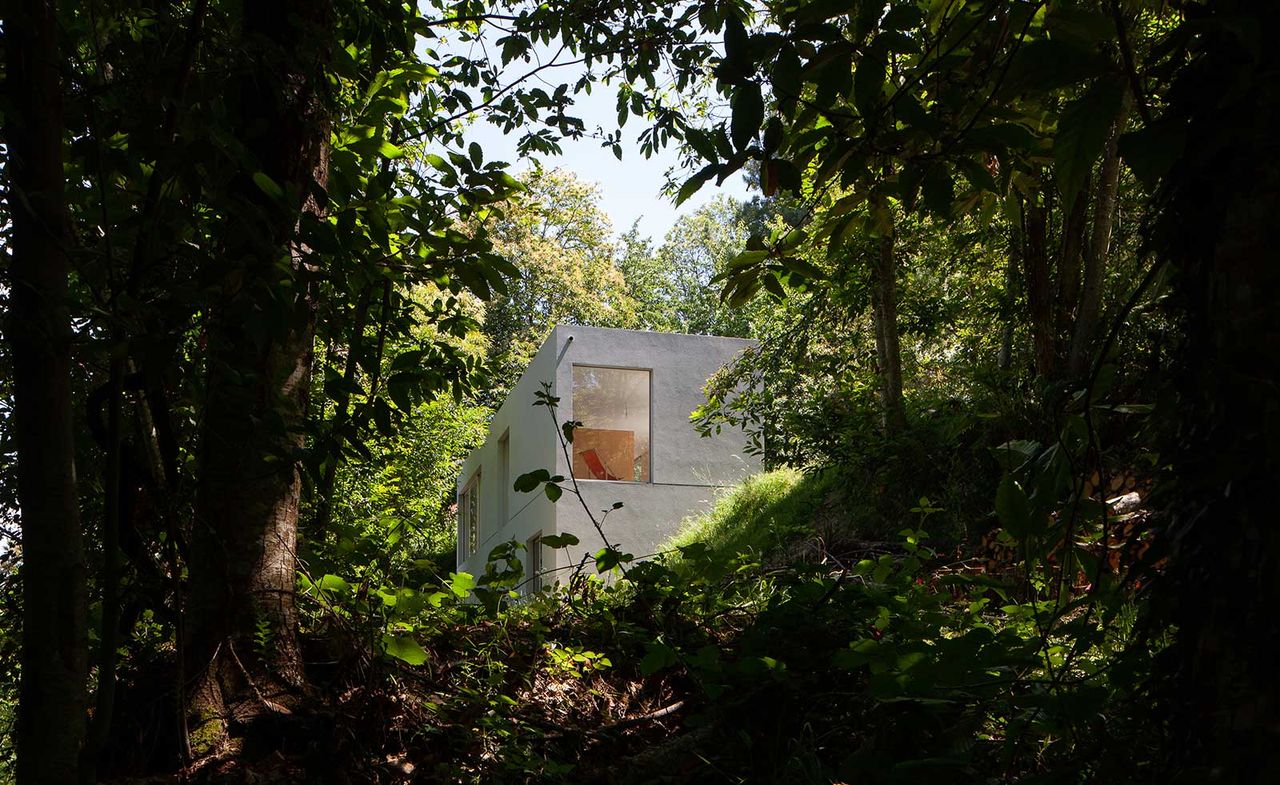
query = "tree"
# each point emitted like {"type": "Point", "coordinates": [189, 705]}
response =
{"type": "Point", "coordinates": [1217, 234]}
{"type": "Point", "coordinates": [946, 95]}
{"type": "Point", "coordinates": [244, 532]}
{"type": "Point", "coordinates": [562, 245]}
{"type": "Point", "coordinates": [884, 317]}
{"type": "Point", "coordinates": [307, 164]}
{"type": "Point", "coordinates": [674, 284]}
{"type": "Point", "coordinates": [51, 721]}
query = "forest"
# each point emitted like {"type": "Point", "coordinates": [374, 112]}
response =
{"type": "Point", "coordinates": [1015, 385]}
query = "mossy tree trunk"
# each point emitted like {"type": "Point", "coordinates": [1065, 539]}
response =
{"type": "Point", "coordinates": [242, 648]}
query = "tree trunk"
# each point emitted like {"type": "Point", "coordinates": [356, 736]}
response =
{"type": "Point", "coordinates": [1009, 301]}
{"type": "Point", "coordinates": [884, 314]}
{"type": "Point", "coordinates": [337, 432]}
{"type": "Point", "coordinates": [1039, 287]}
{"type": "Point", "coordinates": [51, 695]}
{"type": "Point", "coordinates": [1095, 260]}
{"type": "Point", "coordinates": [1071, 251]}
{"type": "Point", "coordinates": [1219, 230]}
{"type": "Point", "coordinates": [242, 647]}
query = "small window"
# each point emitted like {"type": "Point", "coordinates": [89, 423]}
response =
{"type": "Point", "coordinates": [504, 477]}
{"type": "Point", "coordinates": [533, 571]}
{"type": "Point", "coordinates": [613, 441]}
{"type": "Point", "coordinates": [469, 516]}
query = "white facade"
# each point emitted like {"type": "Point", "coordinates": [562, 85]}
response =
{"type": "Point", "coordinates": [666, 471]}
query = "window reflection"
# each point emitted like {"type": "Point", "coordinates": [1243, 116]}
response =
{"type": "Point", "coordinates": [613, 441]}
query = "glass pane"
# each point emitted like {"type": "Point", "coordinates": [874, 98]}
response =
{"type": "Point", "coordinates": [534, 578]}
{"type": "Point", "coordinates": [469, 512]}
{"type": "Point", "coordinates": [613, 441]}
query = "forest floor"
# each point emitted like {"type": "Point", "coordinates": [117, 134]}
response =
{"type": "Point", "coordinates": [764, 651]}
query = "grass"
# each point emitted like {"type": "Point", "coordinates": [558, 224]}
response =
{"type": "Point", "coordinates": [763, 514]}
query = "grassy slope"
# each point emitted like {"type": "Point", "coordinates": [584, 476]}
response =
{"type": "Point", "coordinates": [765, 513]}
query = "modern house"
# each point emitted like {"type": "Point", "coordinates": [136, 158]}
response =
{"type": "Point", "coordinates": [633, 393]}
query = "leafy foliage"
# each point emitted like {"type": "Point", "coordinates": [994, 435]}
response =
{"type": "Point", "coordinates": [951, 198]}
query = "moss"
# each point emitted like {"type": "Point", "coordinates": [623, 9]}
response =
{"type": "Point", "coordinates": [206, 731]}
{"type": "Point", "coordinates": [762, 515]}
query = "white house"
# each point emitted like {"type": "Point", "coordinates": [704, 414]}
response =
{"type": "Point", "coordinates": [633, 392]}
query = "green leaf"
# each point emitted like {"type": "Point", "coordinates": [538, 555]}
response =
{"type": "Point", "coordinates": [565, 540]}
{"type": "Point", "coordinates": [657, 657]}
{"type": "Point", "coordinates": [868, 80]}
{"type": "Point", "coordinates": [1151, 151]}
{"type": "Point", "coordinates": [702, 143]}
{"type": "Point", "coordinates": [748, 259]}
{"type": "Point", "coordinates": [382, 417]}
{"type": "Point", "coordinates": [694, 550]}
{"type": "Point", "coordinates": [531, 480]}
{"type": "Point", "coordinates": [404, 648]}
{"type": "Point", "coordinates": [1052, 63]}
{"type": "Point", "coordinates": [786, 74]}
{"type": "Point", "coordinates": [553, 491]}
{"type": "Point", "coordinates": [748, 115]}
{"type": "Point", "coordinates": [1082, 136]}
{"type": "Point", "coordinates": [1001, 136]}
{"type": "Point", "coordinates": [267, 185]}
{"type": "Point", "coordinates": [1079, 25]}
{"type": "Point", "coordinates": [461, 583]}
{"type": "Point", "coordinates": [977, 174]}
{"type": "Point", "coordinates": [388, 150]}
{"type": "Point", "coordinates": [438, 163]}
{"type": "Point", "coordinates": [611, 558]}
{"type": "Point", "coordinates": [692, 185]}
{"type": "Point", "coordinates": [333, 583]}
{"type": "Point", "coordinates": [938, 190]}
{"type": "Point", "coordinates": [773, 285]}
{"type": "Point", "coordinates": [736, 41]}
{"type": "Point", "coordinates": [1013, 508]}
{"type": "Point", "coordinates": [809, 270]}
{"type": "Point", "coordinates": [902, 17]}
{"type": "Point", "coordinates": [772, 134]}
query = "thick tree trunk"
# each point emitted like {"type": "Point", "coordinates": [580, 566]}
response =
{"type": "Point", "coordinates": [884, 314]}
{"type": "Point", "coordinates": [242, 647]}
{"type": "Point", "coordinates": [1219, 230]}
{"type": "Point", "coordinates": [1095, 260]}
{"type": "Point", "coordinates": [51, 695]}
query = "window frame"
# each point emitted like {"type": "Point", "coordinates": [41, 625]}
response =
{"type": "Point", "coordinates": [534, 553]}
{"type": "Point", "coordinates": [648, 371]}
{"type": "Point", "coordinates": [504, 479]}
{"type": "Point", "coordinates": [468, 514]}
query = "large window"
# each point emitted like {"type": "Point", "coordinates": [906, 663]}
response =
{"type": "Point", "coordinates": [613, 441]}
{"type": "Point", "coordinates": [469, 516]}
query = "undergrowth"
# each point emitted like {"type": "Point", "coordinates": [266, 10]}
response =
{"type": "Point", "coordinates": [773, 643]}
{"type": "Point", "coordinates": [873, 662]}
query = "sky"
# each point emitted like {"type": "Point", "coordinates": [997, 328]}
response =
{"type": "Point", "coordinates": [631, 189]}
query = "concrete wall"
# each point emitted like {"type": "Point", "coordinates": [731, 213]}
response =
{"type": "Point", "coordinates": [687, 471]}
{"type": "Point", "coordinates": [530, 446]}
